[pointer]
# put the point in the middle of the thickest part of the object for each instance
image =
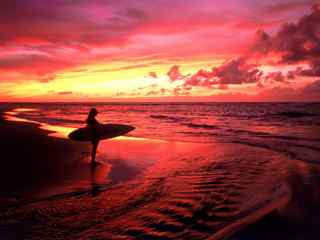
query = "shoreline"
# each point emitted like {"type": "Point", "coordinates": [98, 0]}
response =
{"type": "Point", "coordinates": [32, 161]}
{"type": "Point", "coordinates": [45, 164]}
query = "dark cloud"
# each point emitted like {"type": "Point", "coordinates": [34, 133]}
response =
{"type": "Point", "coordinates": [234, 72]}
{"type": "Point", "coordinates": [294, 42]}
{"type": "Point", "coordinates": [291, 75]}
{"type": "Point", "coordinates": [313, 71]}
{"type": "Point", "coordinates": [202, 78]}
{"type": "Point", "coordinates": [275, 76]}
{"type": "Point", "coordinates": [237, 71]}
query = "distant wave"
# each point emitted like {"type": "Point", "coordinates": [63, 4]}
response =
{"type": "Point", "coordinates": [53, 120]}
{"type": "Point", "coordinates": [284, 114]}
{"type": "Point", "coordinates": [170, 118]}
{"type": "Point", "coordinates": [247, 116]}
{"type": "Point", "coordinates": [205, 126]}
{"type": "Point", "coordinates": [261, 134]}
{"type": "Point", "coordinates": [294, 114]}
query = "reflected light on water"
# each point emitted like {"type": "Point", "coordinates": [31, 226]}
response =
{"type": "Point", "coordinates": [16, 119]}
{"type": "Point", "coordinates": [127, 138]}
{"type": "Point", "coordinates": [59, 131]}
{"type": "Point", "coordinates": [17, 110]}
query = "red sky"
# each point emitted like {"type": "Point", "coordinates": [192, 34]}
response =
{"type": "Point", "coordinates": [160, 50]}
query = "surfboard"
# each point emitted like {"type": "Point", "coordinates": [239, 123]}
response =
{"type": "Point", "coordinates": [100, 132]}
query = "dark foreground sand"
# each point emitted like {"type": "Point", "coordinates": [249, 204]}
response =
{"type": "Point", "coordinates": [32, 162]}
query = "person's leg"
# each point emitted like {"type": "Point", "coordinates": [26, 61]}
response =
{"type": "Point", "coordinates": [94, 151]}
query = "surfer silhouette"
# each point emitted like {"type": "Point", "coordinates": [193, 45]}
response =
{"type": "Point", "coordinates": [94, 132]}
{"type": "Point", "coordinates": [93, 124]}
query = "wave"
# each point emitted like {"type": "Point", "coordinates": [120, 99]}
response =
{"type": "Point", "coordinates": [205, 126]}
{"type": "Point", "coordinates": [271, 136]}
{"type": "Point", "coordinates": [294, 114]}
{"type": "Point", "coordinates": [57, 120]}
{"type": "Point", "coordinates": [170, 118]}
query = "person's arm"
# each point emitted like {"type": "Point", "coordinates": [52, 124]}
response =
{"type": "Point", "coordinates": [92, 121]}
{"type": "Point", "coordinates": [95, 121]}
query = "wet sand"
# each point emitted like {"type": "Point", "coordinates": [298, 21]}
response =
{"type": "Point", "coordinates": [147, 189]}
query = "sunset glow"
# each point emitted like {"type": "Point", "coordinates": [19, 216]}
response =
{"type": "Point", "coordinates": [235, 50]}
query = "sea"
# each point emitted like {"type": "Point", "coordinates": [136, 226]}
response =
{"type": "Point", "coordinates": [293, 128]}
{"type": "Point", "coordinates": [209, 170]}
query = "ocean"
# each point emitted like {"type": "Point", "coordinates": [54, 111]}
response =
{"type": "Point", "coordinates": [188, 171]}
{"type": "Point", "coordinates": [293, 128]}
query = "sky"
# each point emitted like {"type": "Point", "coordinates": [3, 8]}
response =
{"type": "Point", "coordinates": [159, 50]}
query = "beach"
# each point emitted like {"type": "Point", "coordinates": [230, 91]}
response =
{"type": "Point", "coordinates": [152, 188]}
{"type": "Point", "coordinates": [32, 160]}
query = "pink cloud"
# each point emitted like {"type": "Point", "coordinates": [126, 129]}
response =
{"type": "Point", "coordinates": [237, 71]}
{"type": "Point", "coordinates": [294, 42]}
{"type": "Point", "coordinates": [275, 76]}
{"type": "Point", "coordinates": [174, 73]}
{"type": "Point", "coordinates": [234, 72]}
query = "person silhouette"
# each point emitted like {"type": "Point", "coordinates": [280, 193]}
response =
{"type": "Point", "coordinates": [93, 124]}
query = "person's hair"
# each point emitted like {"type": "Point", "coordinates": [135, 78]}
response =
{"type": "Point", "coordinates": [92, 113]}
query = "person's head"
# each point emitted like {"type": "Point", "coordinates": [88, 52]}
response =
{"type": "Point", "coordinates": [93, 112]}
